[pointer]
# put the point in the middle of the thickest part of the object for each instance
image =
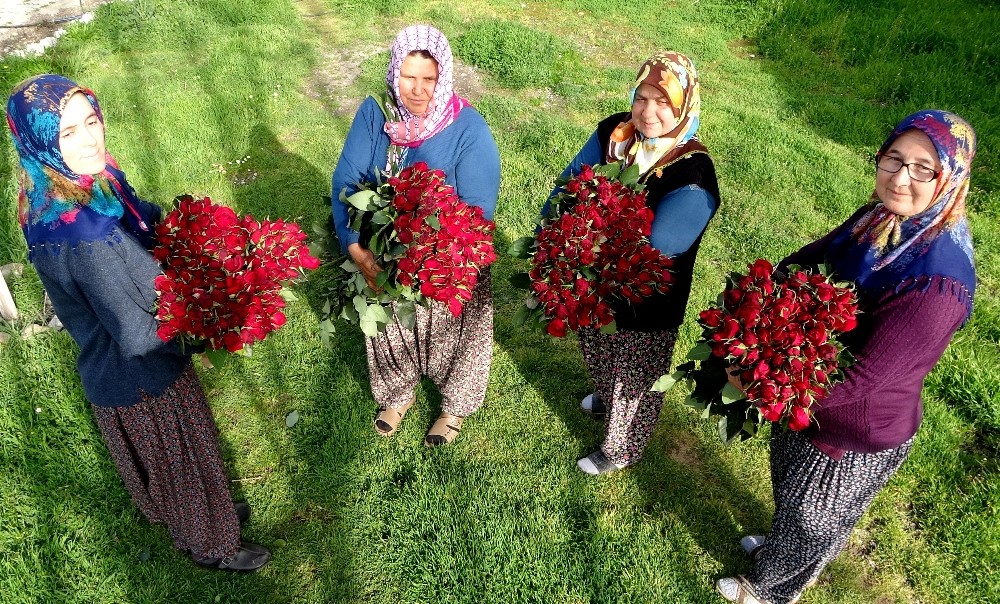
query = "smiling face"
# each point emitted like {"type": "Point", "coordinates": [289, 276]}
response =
{"type": "Point", "coordinates": [81, 136]}
{"type": "Point", "coordinates": [418, 76]}
{"type": "Point", "coordinates": [652, 113]}
{"type": "Point", "coordinates": [898, 192]}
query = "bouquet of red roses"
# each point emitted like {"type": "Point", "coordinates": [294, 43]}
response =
{"type": "Point", "coordinates": [223, 275]}
{"type": "Point", "coordinates": [775, 334]}
{"type": "Point", "coordinates": [430, 244]}
{"type": "Point", "coordinates": [592, 251]}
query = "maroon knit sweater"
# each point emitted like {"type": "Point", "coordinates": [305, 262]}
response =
{"type": "Point", "coordinates": [900, 336]}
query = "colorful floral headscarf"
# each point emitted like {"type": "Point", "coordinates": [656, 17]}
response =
{"type": "Point", "coordinates": [408, 129]}
{"type": "Point", "coordinates": [889, 248]}
{"type": "Point", "coordinates": [55, 203]}
{"type": "Point", "coordinates": [674, 75]}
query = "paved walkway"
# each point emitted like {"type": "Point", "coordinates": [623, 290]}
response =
{"type": "Point", "coordinates": [27, 22]}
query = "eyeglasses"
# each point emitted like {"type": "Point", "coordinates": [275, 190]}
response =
{"type": "Point", "coordinates": [917, 172]}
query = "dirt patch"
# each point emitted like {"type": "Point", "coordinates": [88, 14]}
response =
{"type": "Point", "coordinates": [331, 80]}
{"type": "Point", "coordinates": [683, 450]}
{"type": "Point", "coordinates": [743, 48]}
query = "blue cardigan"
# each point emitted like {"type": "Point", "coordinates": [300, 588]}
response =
{"type": "Point", "coordinates": [103, 293]}
{"type": "Point", "coordinates": [465, 151]}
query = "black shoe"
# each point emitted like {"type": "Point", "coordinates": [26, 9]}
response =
{"type": "Point", "coordinates": [248, 558]}
{"type": "Point", "coordinates": [593, 405]}
{"type": "Point", "coordinates": [242, 511]}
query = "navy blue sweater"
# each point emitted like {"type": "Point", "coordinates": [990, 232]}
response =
{"type": "Point", "coordinates": [103, 293]}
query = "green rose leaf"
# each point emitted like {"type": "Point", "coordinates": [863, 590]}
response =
{"type": "Point", "coordinates": [668, 381]}
{"type": "Point", "coordinates": [520, 280]}
{"type": "Point", "coordinates": [406, 312]}
{"type": "Point", "coordinates": [369, 328]}
{"type": "Point", "coordinates": [731, 394]}
{"type": "Point", "coordinates": [521, 315]}
{"type": "Point", "coordinates": [630, 176]}
{"type": "Point", "coordinates": [362, 199]}
{"type": "Point", "coordinates": [701, 352]}
{"type": "Point", "coordinates": [218, 358]}
{"type": "Point", "coordinates": [521, 248]}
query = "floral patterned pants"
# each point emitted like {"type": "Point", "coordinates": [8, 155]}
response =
{"type": "Point", "coordinates": [624, 366]}
{"type": "Point", "coordinates": [166, 449]}
{"type": "Point", "coordinates": [817, 502]}
{"type": "Point", "coordinates": [454, 352]}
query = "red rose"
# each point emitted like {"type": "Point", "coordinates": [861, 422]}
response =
{"type": "Point", "coordinates": [799, 419]}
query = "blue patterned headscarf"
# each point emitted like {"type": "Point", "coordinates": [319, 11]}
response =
{"type": "Point", "coordinates": [54, 203]}
{"type": "Point", "coordinates": [885, 249]}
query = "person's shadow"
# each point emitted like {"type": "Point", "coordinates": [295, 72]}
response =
{"type": "Point", "coordinates": [292, 372]}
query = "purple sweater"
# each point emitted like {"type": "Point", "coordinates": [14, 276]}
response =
{"type": "Point", "coordinates": [901, 335]}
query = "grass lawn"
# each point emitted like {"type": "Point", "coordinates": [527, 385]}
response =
{"type": "Point", "coordinates": [249, 102]}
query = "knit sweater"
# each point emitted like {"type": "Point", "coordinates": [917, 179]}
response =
{"type": "Point", "coordinates": [465, 151]}
{"type": "Point", "coordinates": [901, 335]}
{"type": "Point", "coordinates": [103, 293]}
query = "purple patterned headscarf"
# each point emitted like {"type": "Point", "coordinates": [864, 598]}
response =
{"type": "Point", "coordinates": [409, 130]}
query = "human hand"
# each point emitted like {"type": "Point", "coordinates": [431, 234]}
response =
{"type": "Point", "coordinates": [366, 262]}
{"type": "Point", "coordinates": [733, 374]}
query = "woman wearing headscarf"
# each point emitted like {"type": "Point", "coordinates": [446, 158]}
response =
{"type": "Point", "coordinates": [421, 118]}
{"type": "Point", "coordinates": [88, 237]}
{"type": "Point", "coordinates": [659, 135]}
{"type": "Point", "coordinates": [909, 251]}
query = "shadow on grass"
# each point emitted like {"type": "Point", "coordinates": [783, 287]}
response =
{"type": "Point", "coordinates": [685, 484]}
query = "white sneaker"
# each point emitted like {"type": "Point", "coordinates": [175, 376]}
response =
{"type": "Point", "coordinates": [596, 464]}
{"type": "Point", "coordinates": [736, 589]}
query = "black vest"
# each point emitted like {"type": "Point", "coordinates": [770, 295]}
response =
{"type": "Point", "coordinates": [665, 311]}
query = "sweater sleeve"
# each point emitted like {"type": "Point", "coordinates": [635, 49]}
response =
{"type": "Point", "coordinates": [679, 218]}
{"type": "Point", "coordinates": [590, 154]}
{"type": "Point", "coordinates": [910, 333]}
{"type": "Point", "coordinates": [477, 169]}
{"type": "Point", "coordinates": [355, 165]}
{"type": "Point", "coordinates": [116, 281]}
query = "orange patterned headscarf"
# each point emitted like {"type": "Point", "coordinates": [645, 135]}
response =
{"type": "Point", "coordinates": [674, 75]}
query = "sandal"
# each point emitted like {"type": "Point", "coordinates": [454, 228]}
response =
{"type": "Point", "coordinates": [387, 420]}
{"type": "Point", "coordinates": [444, 431]}
{"type": "Point", "coordinates": [737, 589]}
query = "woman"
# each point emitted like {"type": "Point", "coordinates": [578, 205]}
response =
{"type": "Point", "coordinates": [88, 238]}
{"type": "Point", "coordinates": [659, 135]}
{"type": "Point", "coordinates": [420, 118]}
{"type": "Point", "coordinates": [909, 251]}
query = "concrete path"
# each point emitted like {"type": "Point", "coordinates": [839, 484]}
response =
{"type": "Point", "coordinates": [26, 22]}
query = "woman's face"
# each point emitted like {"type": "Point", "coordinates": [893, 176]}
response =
{"type": "Point", "coordinates": [417, 77]}
{"type": "Point", "coordinates": [81, 136]}
{"type": "Point", "coordinates": [652, 113]}
{"type": "Point", "coordinates": [899, 193]}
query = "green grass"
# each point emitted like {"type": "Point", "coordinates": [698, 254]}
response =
{"type": "Point", "coordinates": [249, 102]}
